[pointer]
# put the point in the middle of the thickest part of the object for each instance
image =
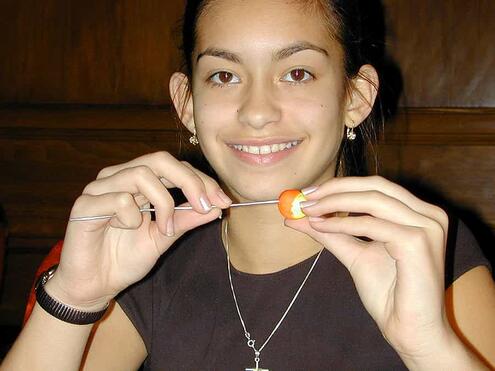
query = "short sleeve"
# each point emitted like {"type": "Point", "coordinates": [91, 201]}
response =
{"type": "Point", "coordinates": [137, 303]}
{"type": "Point", "coordinates": [463, 253]}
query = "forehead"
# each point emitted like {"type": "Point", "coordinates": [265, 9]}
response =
{"type": "Point", "coordinates": [264, 25]}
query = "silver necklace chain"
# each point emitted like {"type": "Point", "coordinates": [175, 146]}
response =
{"type": "Point", "coordinates": [251, 342]}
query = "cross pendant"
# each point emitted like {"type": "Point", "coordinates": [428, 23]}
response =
{"type": "Point", "coordinates": [257, 368]}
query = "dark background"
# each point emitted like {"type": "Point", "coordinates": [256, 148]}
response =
{"type": "Point", "coordinates": [84, 84]}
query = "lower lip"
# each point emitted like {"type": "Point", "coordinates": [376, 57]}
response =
{"type": "Point", "coordinates": [267, 159]}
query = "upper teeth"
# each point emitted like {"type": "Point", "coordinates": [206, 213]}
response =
{"type": "Point", "coordinates": [263, 150]}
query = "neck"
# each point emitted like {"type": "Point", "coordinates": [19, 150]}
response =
{"type": "Point", "coordinates": [259, 243]}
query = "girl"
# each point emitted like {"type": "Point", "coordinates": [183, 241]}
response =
{"type": "Point", "coordinates": [279, 95]}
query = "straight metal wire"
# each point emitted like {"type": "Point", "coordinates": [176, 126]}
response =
{"type": "Point", "coordinates": [149, 209]}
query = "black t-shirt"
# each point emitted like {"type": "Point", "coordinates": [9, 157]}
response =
{"type": "Point", "coordinates": [185, 313]}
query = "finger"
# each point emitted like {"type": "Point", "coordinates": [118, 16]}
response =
{"type": "Point", "coordinates": [366, 202]}
{"type": "Point", "coordinates": [172, 173]}
{"type": "Point", "coordinates": [184, 221]}
{"type": "Point", "coordinates": [405, 244]}
{"type": "Point", "coordinates": [146, 160]}
{"type": "Point", "coordinates": [213, 190]}
{"type": "Point", "coordinates": [411, 257]}
{"type": "Point", "coordinates": [120, 204]}
{"type": "Point", "coordinates": [344, 247]}
{"type": "Point", "coordinates": [359, 184]}
{"type": "Point", "coordinates": [142, 201]}
{"type": "Point", "coordinates": [140, 181]}
{"type": "Point", "coordinates": [364, 226]}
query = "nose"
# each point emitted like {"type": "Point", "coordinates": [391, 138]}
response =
{"type": "Point", "coordinates": [259, 107]}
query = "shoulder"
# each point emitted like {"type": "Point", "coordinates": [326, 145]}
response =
{"type": "Point", "coordinates": [463, 252]}
{"type": "Point", "coordinates": [470, 297]}
{"type": "Point", "coordinates": [114, 340]}
{"type": "Point", "coordinates": [470, 304]}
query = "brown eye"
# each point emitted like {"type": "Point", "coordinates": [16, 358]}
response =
{"type": "Point", "coordinates": [298, 74]}
{"type": "Point", "coordinates": [225, 77]}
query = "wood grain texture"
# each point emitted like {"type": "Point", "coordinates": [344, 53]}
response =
{"type": "Point", "coordinates": [450, 151]}
{"type": "Point", "coordinates": [123, 52]}
{"type": "Point", "coordinates": [90, 51]}
{"type": "Point", "coordinates": [47, 156]}
{"type": "Point", "coordinates": [445, 51]}
{"type": "Point", "coordinates": [441, 127]}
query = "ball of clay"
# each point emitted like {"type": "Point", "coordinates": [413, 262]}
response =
{"type": "Point", "coordinates": [289, 204]}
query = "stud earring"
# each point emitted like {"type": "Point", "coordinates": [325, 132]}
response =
{"type": "Point", "coordinates": [351, 134]}
{"type": "Point", "coordinates": [193, 139]}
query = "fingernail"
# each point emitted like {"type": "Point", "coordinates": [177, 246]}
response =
{"type": "Point", "coordinates": [305, 204]}
{"type": "Point", "coordinates": [309, 190]}
{"type": "Point", "coordinates": [224, 197]}
{"type": "Point", "coordinates": [205, 203]}
{"type": "Point", "coordinates": [316, 219]}
{"type": "Point", "coordinates": [170, 227]}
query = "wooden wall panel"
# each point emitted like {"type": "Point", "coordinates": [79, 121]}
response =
{"type": "Point", "coordinates": [47, 156]}
{"type": "Point", "coordinates": [451, 152]}
{"type": "Point", "coordinates": [119, 52]}
{"type": "Point", "coordinates": [445, 51]}
{"type": "Point", "coordinates": [89, 51]}
{"type": "Point", "coordinates": [463, 174]}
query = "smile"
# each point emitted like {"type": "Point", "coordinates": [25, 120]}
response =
{"type": "Point", "coordinates": [265, 149]}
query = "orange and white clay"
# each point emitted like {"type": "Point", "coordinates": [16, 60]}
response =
{"type": "Point", "coordinates": [289, 204]}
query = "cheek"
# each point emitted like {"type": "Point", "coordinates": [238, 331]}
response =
{"type": "Point", "coordinates": [211, 113]}
{"type": "Point", "coordinates": [319, 114]}
{"type": "Point", "coordinates": [319, 101]}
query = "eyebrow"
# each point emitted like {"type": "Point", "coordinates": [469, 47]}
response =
{"type": "Point", "coordinates": [296, 48]}
{"type": "Point", "coordinates": [283, 53]}
{"type": "Point", "coordinates": [220, 53]}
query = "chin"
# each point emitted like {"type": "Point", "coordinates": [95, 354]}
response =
{"type": "Point", "coordinates": [260, 184]}
{"type": "Point", "coordinates": [262, 190]}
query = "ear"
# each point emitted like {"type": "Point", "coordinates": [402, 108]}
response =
{"type": "Point", "coordinates": [182, 99]}
{"type": "Point", "coordinates": [360, 100]}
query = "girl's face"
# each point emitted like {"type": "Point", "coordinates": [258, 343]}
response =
{"type": "Point", "coordinates": [268, 96]}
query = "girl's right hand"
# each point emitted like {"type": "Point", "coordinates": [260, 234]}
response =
{"type": "Point", "coordinates": [100, 258]}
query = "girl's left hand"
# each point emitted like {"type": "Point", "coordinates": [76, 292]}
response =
{"type": "Point", "coordinates": [399, 270]}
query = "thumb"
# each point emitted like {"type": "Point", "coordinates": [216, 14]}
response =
{"type": "Point", "coordinates": [344, 247]}
{"type": "Point", "coordinates": [186, 220]}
